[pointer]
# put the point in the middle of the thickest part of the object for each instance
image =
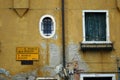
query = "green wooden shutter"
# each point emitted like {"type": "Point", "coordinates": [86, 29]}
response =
{"type": "Point", "coordinates": [95, 26]}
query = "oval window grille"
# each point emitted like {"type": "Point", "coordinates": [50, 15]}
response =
{"type": "Point", "coordinates": [47, 26]}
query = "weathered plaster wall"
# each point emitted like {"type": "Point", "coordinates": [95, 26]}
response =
{"type": "Point", "coordinates": [74, 32]}
{"type": "Point", "coordinates": [23, 31]}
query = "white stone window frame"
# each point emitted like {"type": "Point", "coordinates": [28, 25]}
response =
{"type": "Point", "coordinates": [40, 26]}
{"type": "Point", "coordinates": [45, 78]}
{"type": "Point", "coordinates": [107, 27]}
{"type": "Point", "coordinates": [97, 75]}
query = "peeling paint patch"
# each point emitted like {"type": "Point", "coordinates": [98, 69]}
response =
{"type": "Point", "coordinates": [44, 55]}
{"type": "Point", "coordinates": [5, 72]}
{"type": "Point", "coordinates": [43, 45]}
{"type": "Point", "coordinates": [72, 50]}
{"type": "Point", "coordinates": [47, 70]}
{"type": "Point", "coordinates": [55, 56]}
{"type": "Point", "coordinates": [53, 71]}
{"type": "Point", "coordinates": [25, 76]}
{"type": "Point", "coordinates": [73, 55]}
{"type": "Point", "coordinates": [2, 78]}
{"type": "Point", "coordinates": [55, 37]}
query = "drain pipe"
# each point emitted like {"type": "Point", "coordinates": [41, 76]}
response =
{"type": "Point", "coordinates": [63, 33]}
{"type": "Point", "coordinates": [63, 40]}
{"type": "Point", "coordinates": [66, 77]}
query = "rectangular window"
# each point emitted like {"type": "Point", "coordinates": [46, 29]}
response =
{"type": "Point", "coordinates": [97, 77]}
{"type": "Point", "coordinates": [95, 26]}
{"type": "Point", "coordinates": [118, 73]}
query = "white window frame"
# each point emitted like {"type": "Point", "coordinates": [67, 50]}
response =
{"type": "Point", "coordinates": [40, 26]}
{"type": "Point", "coordinates": [107, 27]}
{"type": "Point", "coordinates": [97, 75]}
{"type": "Point", "coordinates": [45, 78]}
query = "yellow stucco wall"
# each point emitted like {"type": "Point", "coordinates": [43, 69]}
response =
{"type": "Point", "coordinates": [23, 31]}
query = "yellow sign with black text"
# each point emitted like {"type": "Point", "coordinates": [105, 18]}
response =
{"type": "Point", "coordinates": [27, 53]}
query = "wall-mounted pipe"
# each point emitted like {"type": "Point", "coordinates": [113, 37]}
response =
{"type": "Point", "coordinates": [63, 33]}
{"type": "Point", "coordinates": [63, 40]}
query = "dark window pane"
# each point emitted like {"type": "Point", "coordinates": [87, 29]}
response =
{"type": "Point", "coordinates": [95, 26]}
{"type": "Point", "coordinates": [47, 26]}
{"type": "Point", "coordinates": [119, 73]}
{"type": "Point", "coordinates": [97, 78]}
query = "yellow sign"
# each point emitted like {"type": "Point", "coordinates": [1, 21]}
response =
{"type": "Point", "coordinates": [27, 53]}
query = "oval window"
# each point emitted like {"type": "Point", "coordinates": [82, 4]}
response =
{"type": "Point", "coordinates": [47, 26]}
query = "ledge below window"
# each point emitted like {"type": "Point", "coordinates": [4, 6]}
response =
{"type": "Point", "coordinates": [96, 46]}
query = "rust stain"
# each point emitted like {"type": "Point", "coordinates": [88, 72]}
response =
{"type": "Point", "coordinates": [77, 76]}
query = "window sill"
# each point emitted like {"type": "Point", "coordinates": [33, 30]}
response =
{"type": "Point", "coordinates": [108, 46]}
